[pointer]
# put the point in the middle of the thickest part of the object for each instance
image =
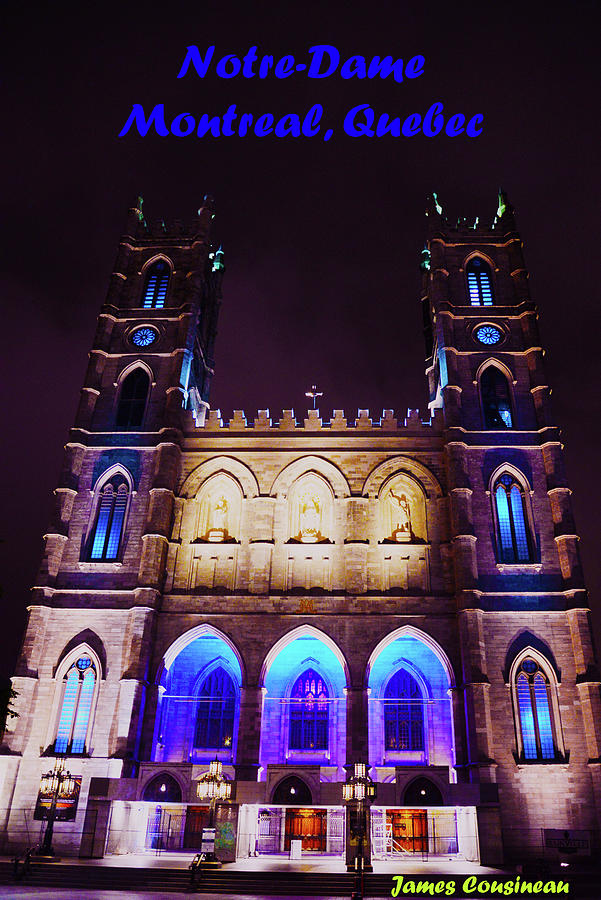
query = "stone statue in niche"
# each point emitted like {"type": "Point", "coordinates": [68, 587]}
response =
{"type": "Point", "coordinates": [401, 517]}
{"type": "Point", "coordinates": [217, 531]}
{"type": "Point", "coordinates": [310, 519]}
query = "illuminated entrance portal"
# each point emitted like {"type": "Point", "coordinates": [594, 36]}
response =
{"type": "Point", "coordinates": [321, 829]}
{"type": "Point", "coordinates": [427, 832]}
{"type": "Point", "coordinates": [308, 825]}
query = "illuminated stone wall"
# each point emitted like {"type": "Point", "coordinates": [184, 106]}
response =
{"type": "Point", "coordinates": [357, 544]}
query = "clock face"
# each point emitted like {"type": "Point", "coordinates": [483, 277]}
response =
{"type": "Point", "coordinates": [143, 337]}
{"type": "Point", "coordinates": [488, 334]}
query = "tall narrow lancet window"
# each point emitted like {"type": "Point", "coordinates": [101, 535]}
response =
{"type": "Point", "coordinates": [76, 706]}
{"type": "Point", "coordinates": [514, 541]}
{"type": "Point", "coordinates": [534, 710]}
{"type": "Point", "coordinates": [215, 715]}
{"type": "Point", "coordinates": [107, 534]}
{"type": "Point", "coordinates": [155, 286]}
{"type": "Point", "coordinates": [479, 282]}
{"type": "Point", "coordinates": [309, 713]}
{"type": "Point", "coordinates": [496, 400]}
{"type": "Point", "coordinates": [132, 400]}
{"type": "Point", "coordinates": [403, 713]}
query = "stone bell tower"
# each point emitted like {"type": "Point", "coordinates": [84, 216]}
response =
{"type": "Point", "coordinates": [147, 382]}
{"type": "Point", "coordinates": [518, 576]}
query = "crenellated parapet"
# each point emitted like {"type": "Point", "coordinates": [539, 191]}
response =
{"type": "Point", "coordinates": [386, 422]}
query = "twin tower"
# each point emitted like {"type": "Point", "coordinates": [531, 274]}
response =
{"type": "Point", "coordinates": [294, 597]}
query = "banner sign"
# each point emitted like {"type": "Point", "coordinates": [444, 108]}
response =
{"type": "Point", "coordinates": [66, 807]}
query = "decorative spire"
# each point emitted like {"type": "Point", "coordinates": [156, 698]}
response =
{"type": "Point", "coordinates": [433, 207]}
{"type": "Point", "coordinates": [218, 260]}
{"type": "Point", "coordinates": [138, 208]}
{"type": "Point", "coordinates": [504, 210]}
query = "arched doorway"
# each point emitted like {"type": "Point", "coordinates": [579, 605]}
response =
{"type": "Point", "coordinates": [163, 789]}
{"type": "Point", "coordinates": [423, 792]}
{"type": "Point", "coordinates": [292, 790]}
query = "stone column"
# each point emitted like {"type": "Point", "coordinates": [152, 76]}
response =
{"type": "Point", "coordinates": [249, 733]}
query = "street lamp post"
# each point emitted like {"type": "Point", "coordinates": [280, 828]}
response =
{"type": "Point", "coordinates": [358, 791]}
{"type": "Point", "coordinates": [57, 783]}
{"type": "Point", "coordinates": [213, 786]}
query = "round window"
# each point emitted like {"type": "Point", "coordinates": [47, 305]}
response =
{"type": "Point", "coordinates": [143, 337]}
{"type": "Point", "coordinates": [488, 334]}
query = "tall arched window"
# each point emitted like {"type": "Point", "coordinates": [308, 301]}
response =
{"type": "Point", "coordinates": [215, 716]}
{"type": "Point", "coordinates": [403, 713]}
{"type": "Point", "coordinates": [496, 399]}
{"type": "Point", "coordinates": [74, 718]}
{"type": "Point", "coordinates": [479, 282]}
{"type": "Point", "coordinates": [534, 711]}
{"type": "Point", "coordinates": [105, 542]}
{"type": "Point", "coordinates": [309, 713]}
{"type": "Point", "coordinates": [132, 400]}
{"type": "Point", "coordinates": [155, 286]}
{"type": "Point", "coordinates": [513, 537]}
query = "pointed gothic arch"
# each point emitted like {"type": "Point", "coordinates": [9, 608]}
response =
{"type": "Point", "coordinates": [535, 701]}
{"type": "Point", "coordinates": [108, 516]}
{"type": "Point", "coordinates": [496, 395]}
{"type": "Point", "coordinates": [479, 280]}
{"type": "Point", "coordinates": [77, 683]}
{"type": "Point", "coordinates": [156, 277]}
{"type": "Point", "coordinates": [134, 387]}
{"type": "Point", "coordinates": [512, 516]}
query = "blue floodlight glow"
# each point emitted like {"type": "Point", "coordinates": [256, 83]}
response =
{"type": "Point", "coordinates": [428, 726]}
{"type": "Point", "coordinates": [198, 705]}
{"type": "Point", "coordinates": [281, 739]}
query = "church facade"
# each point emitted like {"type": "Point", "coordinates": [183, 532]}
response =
{"type": "Point", "coordinates": [291, 597]}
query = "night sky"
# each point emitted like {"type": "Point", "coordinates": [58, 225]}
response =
{"type": "Point", "coordinates": [322, 239]}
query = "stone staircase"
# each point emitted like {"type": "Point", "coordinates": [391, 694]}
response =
{"type": "Point", "coordinates": [287, 884]}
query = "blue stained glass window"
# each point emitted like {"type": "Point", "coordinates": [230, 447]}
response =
{"type": "Point", "coordinates": [526, 718]}
{"type": "Point", "coordinates": [403, 713]}
{"type": "Point", "coordinates": [80, 729]}
{"type": "Point", "coordinates": [104, 514]}
{"type": "Point", "coordinates": [309, 713]}
{"type": "Point", "coordinates": [76, 707]}
{"type": "Point", "coordinates": [504, 522]}
{"type": "Point", "coordinates": [534, 712]}
{"type": "Point", "coordinates": [488, 334]}
{"type": "Point", "coordinates": [215, 715]}
{"type": "Point", "coordinates": [519, 525]}
{"type": "Point", "coordinates": [155, 289]}
{"type": "Point", "coordinates": [63, 732]}
{"type": "Point", "coordinates": [110, 518]}
{"type": "Point", "coordinates": [479, 283]}
{"type": "Point", "coordinates": [543, 715]}
{"type": "Point", "coordinates": [143, 337]}
{"type": "Point", "coordinates": [513, 538]}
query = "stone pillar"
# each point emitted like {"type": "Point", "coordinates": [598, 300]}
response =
{"type": "Point", "coordinates": [476, 688]}
{"type": "Point", "coordinates": [249, 733]}
{"type": "Point", "coordinates": [357, 745]}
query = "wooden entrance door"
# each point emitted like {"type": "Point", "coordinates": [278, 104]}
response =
{"type": "Point", "coordinates": [197, 818]}
{"type": "Point", "coordinates": [308, 825]}
{"type": "Point", "coordinates": [409, 829]}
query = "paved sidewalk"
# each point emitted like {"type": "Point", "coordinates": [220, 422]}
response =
{"type": "Point", "coordinates": [36, 893]}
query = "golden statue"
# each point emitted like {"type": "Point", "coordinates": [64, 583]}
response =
{"type": "Point", "coordinates": [310, 519]}
{"type": "Point", "coordinates": [401, 517]}
{"type": "Point", "coordinates": [217, 531]}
